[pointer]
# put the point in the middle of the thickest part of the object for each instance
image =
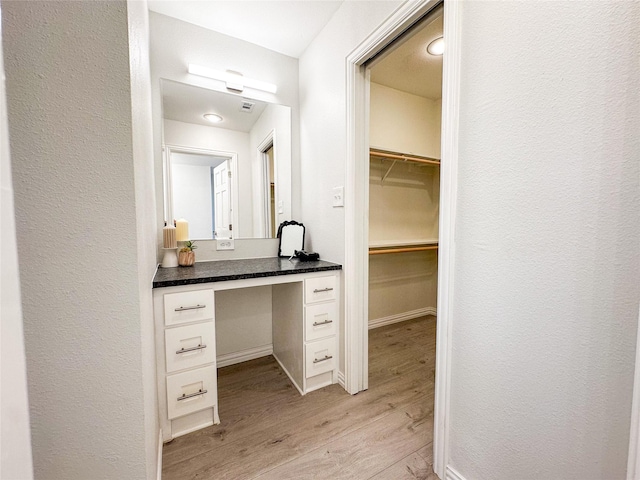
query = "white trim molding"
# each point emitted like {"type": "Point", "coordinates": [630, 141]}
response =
{"type": "Point", "coordinates": [633, 460]}
{"type": "Point", "coordinates": [159, 459]}
{"type": "Point", "coordinates": [357, 212]}
{"type": "Point", "coordinates": [401, 317]}
{"type": "Point", "coordinates": [452, 474]}
{"type": "Point", "coordinates": [244, 355]}
{"type": "Point", "coordinates": [447, 221]}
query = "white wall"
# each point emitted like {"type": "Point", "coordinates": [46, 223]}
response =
{"type": "Point", "coordinates": [175, 44]}
{"type": "Point", "coordinates": [15, 436]}
{"type": "Point", "coordinates": [548, 239]}
{"type": "Point", "coordinates": [402, 122]}
{"type": "Point", "coordinates": [243, 320]}
{"type": "Point", "coordinates": [323, 120]}
{"type": "Point", "coordinates": [81, 183]}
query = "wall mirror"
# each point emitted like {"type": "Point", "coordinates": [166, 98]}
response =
{"type": "Point", "coordinates": [227, 162]}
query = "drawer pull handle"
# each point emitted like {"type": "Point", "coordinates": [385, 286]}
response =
{"type": "Point", "coordinates": [191, 395]}
{"type": "Point", "coordinates": [320, 290]}
{"type": "Point", "coordinates": [185, 350]}
{"type": "Point", "coordinates": [326, 322]}
{"type": "Point", "coordinates": [197, 307]}
{"type": "Point", "coordinates": [326, 357]}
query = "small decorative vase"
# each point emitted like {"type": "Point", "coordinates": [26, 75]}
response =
{"type": "Point", "coordinates": [186, 259]}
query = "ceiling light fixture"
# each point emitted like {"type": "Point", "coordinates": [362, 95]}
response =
{"type": "Point", "coordinates": [233, 80]}
{"type": "Point", "coordinates": [213, 117]}
{"type": "Point", "coordinates": [436, 47]}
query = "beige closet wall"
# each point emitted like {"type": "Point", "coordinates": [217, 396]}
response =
{"type": "Point", "coordinates": [403, 208]}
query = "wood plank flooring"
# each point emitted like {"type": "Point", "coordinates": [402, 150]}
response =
{"type": "Point", "coordinates": [269, 431]}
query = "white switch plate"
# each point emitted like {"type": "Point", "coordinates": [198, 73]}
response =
{"type": "Point", "coordinates": [280, 206]}
{"type": "Point", "coordinates": [224, 244]}
{"type": "Point", "coordinates": [338, 196]}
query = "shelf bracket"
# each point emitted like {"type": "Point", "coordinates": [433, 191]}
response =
{"type": "Point", "coordinates": [384, 177]}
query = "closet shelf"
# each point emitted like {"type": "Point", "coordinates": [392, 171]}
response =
{"type": "Point", "coordinates": [375, 153]}
{"type": "Point", "coordinates": [380, 248]}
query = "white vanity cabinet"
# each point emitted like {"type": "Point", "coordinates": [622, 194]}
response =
{"type": "Point", "coordinates": [304, 312]}
{"type": "Point", "coordinates": [186, 359]}
{"type": "Point", "coordinates": [307, 350]}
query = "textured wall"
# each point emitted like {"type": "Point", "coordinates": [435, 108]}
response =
{"type": "Point", "coordinates": [547, 252]}
{"type": "Point", "coordinates": [88, 353]}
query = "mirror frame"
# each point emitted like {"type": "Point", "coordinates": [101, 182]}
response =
{"type": "Point", "coordinates": [167, 150]}
{"type": "Point", "coordinates": [281, 233]}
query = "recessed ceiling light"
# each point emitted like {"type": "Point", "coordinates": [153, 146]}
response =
{"type": "Point", "coordinates": [213, 117]}
{"type": "Point", "coordinates": [436, 47]}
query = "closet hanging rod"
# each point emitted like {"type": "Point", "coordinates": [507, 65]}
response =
{"type": "Point", "coordinates": [378, 251]}
{"type": "Point", "coordinates": [398, 156]}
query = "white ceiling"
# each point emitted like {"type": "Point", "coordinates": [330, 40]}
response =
{"type": "Point", "coordinates": [285, 26]}
{"type": "Point", "coordinates": [408, 67]}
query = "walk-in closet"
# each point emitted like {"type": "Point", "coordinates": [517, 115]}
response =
{"type": "Point", "coordinates": [404, 197]}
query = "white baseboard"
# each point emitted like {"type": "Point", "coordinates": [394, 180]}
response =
{"type": "Point", "coordinates": [284, 369]}
{"type": "Point", "coordinates": [452, 474]}
{"type": "Point", "coordinates": [243, 355]}
{"type": "Point", "coordinates": [401, 317]}
{"type": "Point", "coordinates": [159, 464]}
{"type": "Point", "coordinates": [341, 380]}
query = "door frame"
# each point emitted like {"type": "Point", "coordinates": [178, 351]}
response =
{"type": "Point", "coordinates": [168, 149]}
{"type": "Point", "coordinates": [357, 208]}
{"type": "Point", "coordinates": [269, 141]}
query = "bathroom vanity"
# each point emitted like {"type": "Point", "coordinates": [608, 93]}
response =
{"type": "Point", "coordinates": [304, 311]}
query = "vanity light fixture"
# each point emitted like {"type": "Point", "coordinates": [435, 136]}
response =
{"type": "Point", "coordinates": [436, 47]}
{"type": "Point", "coordinates": [233, 80]}
{"type": "Point", "coordinates": [213, 117]}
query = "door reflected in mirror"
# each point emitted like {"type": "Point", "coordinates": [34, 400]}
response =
{"type": "Point", "coordinates": [202, 191]}
{"type": "Point", "coordinates": [232, 178]}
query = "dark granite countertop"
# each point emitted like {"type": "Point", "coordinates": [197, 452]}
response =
{"type": "Point", "coordinates": [223, 270]}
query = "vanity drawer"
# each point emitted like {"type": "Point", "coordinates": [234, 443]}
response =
{"type": "Point", "coordinates": [187, 307]}
{"type": "Point", "coordinates": [190, 346]}
{"type": "Point", "coordinates": [190, 391]}
{"type": "Point", "coordinates": [319, 289]}
{"type": "Point", "coordinates": [320, 320]}
{"type": "Point", "coordinates": [320, 357]}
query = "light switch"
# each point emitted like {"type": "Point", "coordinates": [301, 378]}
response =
{"type": "Point", "coordinates": [338, 196]}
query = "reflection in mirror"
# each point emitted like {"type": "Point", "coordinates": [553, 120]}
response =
{"type": "Point", "coordinates": [202, 191]}
{"type": "Point", "coordinates": [291, 238]}
{"type": "Point", "coordinates": [251, 145]}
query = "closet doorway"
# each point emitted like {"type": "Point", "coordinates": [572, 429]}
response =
{"type": "Point", "coordinates": [359, 164]}
{"type": "Point", "coordinates": [405, 111]}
